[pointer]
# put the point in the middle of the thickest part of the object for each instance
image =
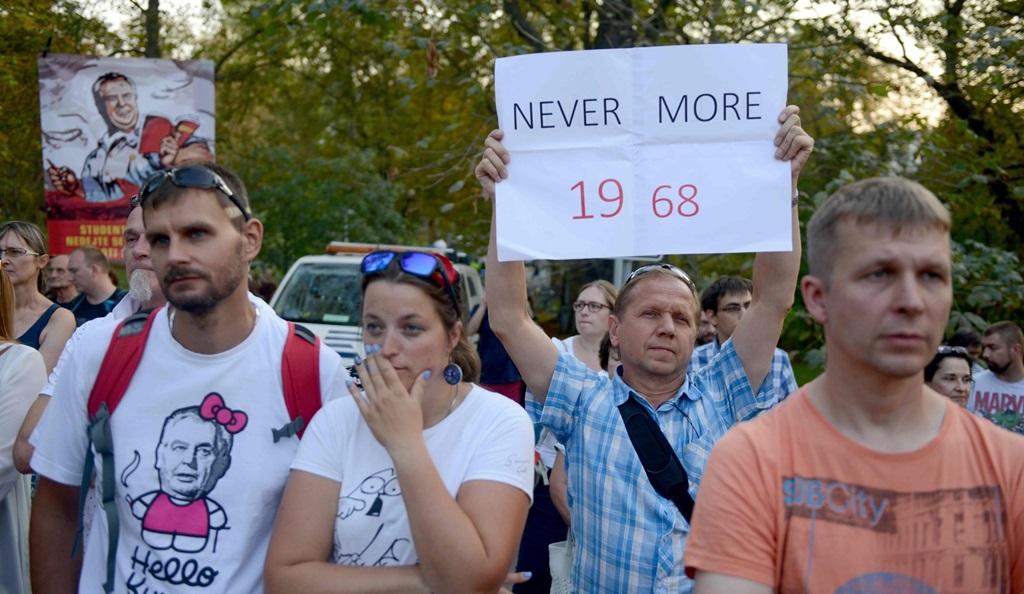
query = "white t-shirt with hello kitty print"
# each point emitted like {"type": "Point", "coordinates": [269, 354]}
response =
{"type": "Point", "coordinates": [198, 475]}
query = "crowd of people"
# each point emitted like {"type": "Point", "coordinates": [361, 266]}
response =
{"type": "Point", "coordinates": [185, 437]}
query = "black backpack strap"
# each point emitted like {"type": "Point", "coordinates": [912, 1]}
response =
{"type": "Point", "coordinates": [663, 468]}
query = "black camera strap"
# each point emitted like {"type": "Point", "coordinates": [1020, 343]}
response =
{"type": "Point", "coordinates": [664, 470]}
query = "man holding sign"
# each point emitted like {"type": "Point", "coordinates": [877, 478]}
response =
{"type": "Point", "coordinates": [630, 538]}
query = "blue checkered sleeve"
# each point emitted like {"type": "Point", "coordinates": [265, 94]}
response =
{"type": "Point", "coordinates": [569, 381]}
{"type": "Point", "coordinates": [727, 388]}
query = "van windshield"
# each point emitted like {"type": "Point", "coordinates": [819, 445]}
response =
{"type": "Point", "coordinates": [322, 293]}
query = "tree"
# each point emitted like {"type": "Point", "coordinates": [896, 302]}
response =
{"type": "Point", "coordinates": [28, 28]}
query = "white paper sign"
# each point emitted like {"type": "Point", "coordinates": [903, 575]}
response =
{"type": "Point", "coordinates": [630, 152]}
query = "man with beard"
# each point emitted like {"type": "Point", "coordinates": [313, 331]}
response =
{"type": "Point", "coordinates": [211, 340]}
{"type": "Point", "coordinates": [999, 392]}
{"type": "Point", "coordinates": [143, 294]}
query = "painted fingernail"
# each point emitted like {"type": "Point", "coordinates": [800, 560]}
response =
{"type": "Point", "coordinates": [527, 574]}
{"type": "Point", "coordinates": [372, 348]}
{"type": "Point", "coordinates": [358, 360]}
{"type": "Point", "coordinates": [426, 374]}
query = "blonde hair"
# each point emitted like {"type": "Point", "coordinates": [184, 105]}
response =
{"type": "Point", "coordinates": [33, 238]}
{"type": "Point", "coordinates": [893, 202]}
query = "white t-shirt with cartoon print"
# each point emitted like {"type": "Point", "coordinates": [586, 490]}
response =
{"type": "Point", "coordinates": [487, 437]}
{"type": "Point", "coordinates": [198, 476]}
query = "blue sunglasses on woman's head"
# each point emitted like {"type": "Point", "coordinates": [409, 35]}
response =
{"type": "Point", "coordinates": [432, 267]}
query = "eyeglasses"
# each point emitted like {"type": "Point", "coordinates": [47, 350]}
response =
{"type": "Point", "coordinates": [951, 350]}
{"type": "Point", "coordinates": [191, 176]}
{"type": "Point", "coordinates": [673, 270]}
{"type": "Point", "coordinates": [591, 306]}
{"type": "Point", "coordinates": [433, 267]}
{"type": "Point", "coordinates": [16, 252]}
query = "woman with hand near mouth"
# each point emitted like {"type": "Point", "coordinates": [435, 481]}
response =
{"type": "Point", "coordinates": [421, 481]}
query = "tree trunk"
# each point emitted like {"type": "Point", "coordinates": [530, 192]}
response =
{"type": "Point", "coordinates": [152, 14]}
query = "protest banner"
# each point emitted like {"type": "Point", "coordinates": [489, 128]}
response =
{"type": "Point", "coordinates": [108, 124]}
{"type": "Point", "coordinates": [631, 152]}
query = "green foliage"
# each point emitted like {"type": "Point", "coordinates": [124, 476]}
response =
{"type": "Point", "coordinates": [26, 27]}
{"type": "Point", "coordinates": [367, 117]}
{"type": "Point", "coordinates": [304, 204]}
{"type": "Point", "coordinates": [988, 286]}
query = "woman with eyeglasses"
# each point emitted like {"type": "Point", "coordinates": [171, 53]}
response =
{"type": "Point", "coordinates": [22, 375]}
{"type": "Point", "coordinates": [592, 307]}
{"type": "Point", "coordinates": [421, 481]}
{"type": "Point", "coordinates": [38, 322]}
{"type": "Point", "coordinates": [949, 373]}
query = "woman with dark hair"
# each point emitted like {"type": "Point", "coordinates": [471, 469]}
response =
{"type": "Point", "coordinates": [38, 322]}
{"type": "Point", "coordinates": [421, 481]}
{"type": "Point", "coordinates": [22, 375]}
{"type": "Point", "coordinates": [949, 373]}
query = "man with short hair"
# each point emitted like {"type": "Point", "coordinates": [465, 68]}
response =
{"type": "Point", "coordinates": [629, 538]}
{"type": "Point", "coordinates": [58, 281]}
{"type": "Point", "coordinates": [705, 329]}
{"type": "Point", "coordinates": [90, 273]}
{"type": "Point", "coordinates": [724, 302]}
{"type": "Point", "coordinates": [212, 360]}
{"type": "Point", "coordinates": [998, 392]}
{"type": "Point", "coordinates": [866, 479]}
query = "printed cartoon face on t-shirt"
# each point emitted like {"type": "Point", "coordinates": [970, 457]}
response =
{"type": "Point", "coordinates": [187, 453]}
{"type": "Point", "coordinates": [368, 498]}
{"type": "Point", "coordinates": [194, 452]}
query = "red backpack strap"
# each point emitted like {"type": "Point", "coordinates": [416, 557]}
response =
{"type": "Point", "coordinates": [300, 377]}
{"type": "Point", "coordinates": [120, 362]}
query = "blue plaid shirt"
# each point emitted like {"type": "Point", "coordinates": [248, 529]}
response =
{"type": "Point", "coordinates": [629, 538]}
{"type": "Point", "coordinates": [784, 382]}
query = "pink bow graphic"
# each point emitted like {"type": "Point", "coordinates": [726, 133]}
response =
{"type": "Point", "coordinates": [213, 409]}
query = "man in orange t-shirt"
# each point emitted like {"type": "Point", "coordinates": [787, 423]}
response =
{"type": "Point", "coordinates": [866, 480]}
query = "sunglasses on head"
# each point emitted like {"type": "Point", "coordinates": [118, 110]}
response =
{"type": "Point", "coordinates": [435, 268]}
{"type": "Point", "coordinates": [673, 270]}
{"type": "Point", "coordinates": [189, 176]}
{"type": "Point", "coordinates": [953, 350]}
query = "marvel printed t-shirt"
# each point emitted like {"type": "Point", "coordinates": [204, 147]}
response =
{"type": "Point", "coordinates": [789, 501]}
{"type": "Point", "coordinates": [198, 476]}
{"type": "Point", "coordinates": [998, 401]}
{"type": "Point", "coordinates": [487, 437]}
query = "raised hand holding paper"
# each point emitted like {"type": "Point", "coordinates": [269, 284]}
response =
{"type": "Point", "coordinates": [643, 151]}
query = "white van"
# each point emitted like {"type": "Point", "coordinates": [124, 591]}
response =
{"type": "Point", "coordinates": [322, 293]}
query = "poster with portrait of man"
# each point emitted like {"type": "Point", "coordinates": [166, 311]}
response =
{"type": "Point", "coordinates": [108, 125]}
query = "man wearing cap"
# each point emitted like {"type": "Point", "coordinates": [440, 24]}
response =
{"type": "Point", "coordinates": [203, 412]}
{"type": "Point", "coordinates": [628, 537]}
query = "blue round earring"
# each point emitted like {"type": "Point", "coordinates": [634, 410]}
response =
{"type": "Point", "coordinates": [452, 374]}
